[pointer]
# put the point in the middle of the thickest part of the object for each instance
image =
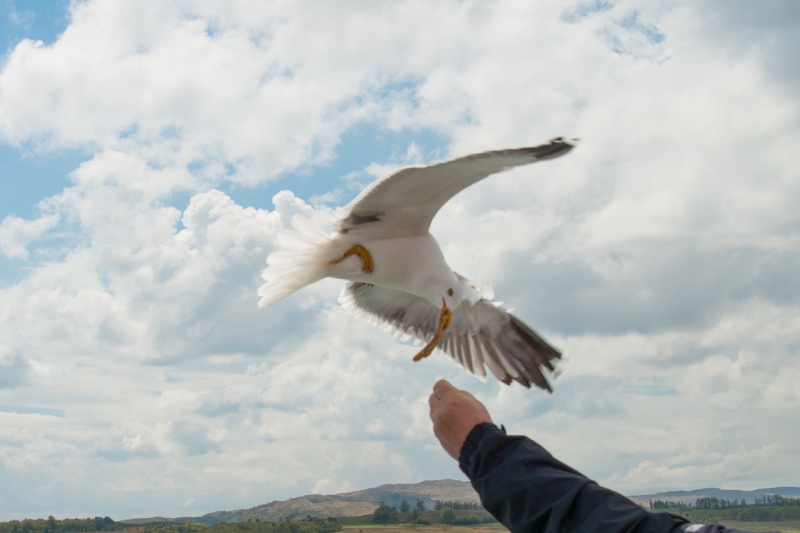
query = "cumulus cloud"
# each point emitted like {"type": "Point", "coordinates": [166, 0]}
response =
{"type": "Point", "coordinates": [16, 233]}
{"type": "Point", "coordinates": [240, 95]}
{"type": "Point", "coordinates": [660, 254]}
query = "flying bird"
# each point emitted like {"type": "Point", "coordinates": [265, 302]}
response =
{"type": "Point", "coordinates": [398, 276]}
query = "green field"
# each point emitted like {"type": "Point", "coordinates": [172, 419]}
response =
{"type": "Point", "coordinates": [433, 528]}
{"type": "Point", "coordinates": [784, 527]}
{"type": "Point", "coordinates": [759, 527]}
{"type": "Point", "coordinates": [788, 526]}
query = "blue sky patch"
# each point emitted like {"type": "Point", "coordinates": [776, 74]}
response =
{"type": "Point", "coordinates": [28, 177]}
{"type": "Point", "coordinates": [360, 146]}
{"type": "Point", "coordinates": [585, 10]}
{"type": "Point", "coordinates": [25, 410]}
{"type": "Point", "coordinates": [38, 20]}
{"type": "Point", "coordinates": [632, 23]}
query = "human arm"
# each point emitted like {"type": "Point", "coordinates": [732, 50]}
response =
{"type": "Point", "coordinates": [525, 487]}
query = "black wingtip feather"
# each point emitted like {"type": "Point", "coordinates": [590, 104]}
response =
{"type": "Point", "coordinates": [556, 148]}
{"type": "Point", "coordinates": [544, 352]}
{"type": "Point", "coordinates": [533, 351]}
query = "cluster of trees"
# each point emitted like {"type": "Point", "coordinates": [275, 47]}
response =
{"type": "Point", "coordinates": [710, 510]}
{"type": "Point", "coordinates": [700, 503]}
{"type": "Point", "coordinates": [717, 503]}
{"type": "Point", "coordinates": [77, 525]}
{"type": "Point", "coordinates": [722, 503]}
{"type": "Point", "coordinates": [390, 515]}
{"type": "Point", "coordinates": [748, 513]}
{"type": "Point", "coordinates": [385, 515]}
{"type": "Point", "coordinates": [458, 505]}
{"type": "Point", "coordinates": [406, 507]}
{"type": "Point", "coordinates": [777, 500]}
{"type": "Point", "coordinates": [68, 525]}
{"type": "Point", "coordinates": [661, 505]}
{"type": "Point", "coordinates": [448, 516]}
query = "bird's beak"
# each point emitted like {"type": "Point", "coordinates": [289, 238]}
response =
{"type": "Point", "coordinates": [445, 313]}
{"type": "Point", "coordinates": [444, 323]}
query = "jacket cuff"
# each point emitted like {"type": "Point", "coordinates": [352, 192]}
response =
{"type": "Point", "coordinates": [472, 442]}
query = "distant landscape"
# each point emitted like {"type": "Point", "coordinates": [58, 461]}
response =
{"type": "Point", "coordinates": [346, 504]}
{"type": "Point", "coordinates": [426, 493]}
{"type": "Point", "coordinates": [440, 503]}
{"type": "Point", "coordinates": [357, 508]}
{"type": "Point", "coordinates": [689, 496]}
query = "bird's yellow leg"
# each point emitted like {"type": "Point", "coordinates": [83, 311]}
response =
{"type": "Point", "coordinates": [362, 253]}
{"type": "Point", "coordinates": [444, 322]}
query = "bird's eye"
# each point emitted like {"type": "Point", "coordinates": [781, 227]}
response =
{"type": "Point", "coordinates": [449, 292]}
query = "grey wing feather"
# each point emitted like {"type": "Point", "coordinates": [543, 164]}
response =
{"type": "Point", "coordinates": [480, 333]}
{"type": "Point", "coordinates": [411, 197]}
{"type": "Point", "coordinates": [405, 315]}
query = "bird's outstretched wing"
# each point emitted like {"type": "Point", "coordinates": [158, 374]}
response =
{"type": "Point", "coordinates": [480, 333]}
{"type": "Point", "coordinates": [409, 199]}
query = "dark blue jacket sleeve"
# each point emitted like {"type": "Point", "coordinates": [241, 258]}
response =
{"type": "Point", "coordinates": [527, 489]}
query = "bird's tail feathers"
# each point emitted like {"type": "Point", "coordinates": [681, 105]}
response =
{"type": "Point", "coordinates": [300, 260]}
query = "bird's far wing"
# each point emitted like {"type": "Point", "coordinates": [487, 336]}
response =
{"type": "Point", "coordinates": [411, 197]}
{"type": "Point", "coordinates": [485, 333]}
{"type": "Point", "coordinates": [479, 334]}
{"type": "Point", "coordinates": [405, 315]}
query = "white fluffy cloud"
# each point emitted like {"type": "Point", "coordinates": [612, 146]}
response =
{"type": "Point", "coordinates": [660, 254]}
{"type": "Point", "coordinates": [16, 233]}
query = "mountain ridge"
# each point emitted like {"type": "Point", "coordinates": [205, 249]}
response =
{"type": "Point", "coordinates": [689, 496]}
{"type": "Point", "coordinates": [344, 504]}
{"type": "Point", "coordinates": [365, 501]}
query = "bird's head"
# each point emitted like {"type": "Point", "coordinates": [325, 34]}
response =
{"type": "Point", "coordinates": [444, 290]}
{"type": "Point", "coordinates": [452, 296]}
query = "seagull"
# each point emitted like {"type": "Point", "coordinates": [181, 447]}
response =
{"type": "Point", "coordinates": [398, 277]}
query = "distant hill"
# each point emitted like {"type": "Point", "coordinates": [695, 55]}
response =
{"type": "Point", "coordinates": [312, 505]}
{"type": "Point", "coordinates": [356, 503]}
{"type": "Point", "coordinates": [689, 496]}
{"type": "Point", "coordinates": [364, 502]}
{"type": "Point", "coordinates": [427, 491]}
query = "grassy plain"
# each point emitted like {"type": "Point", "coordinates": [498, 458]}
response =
{"type": "Point", "coordinates": [787, 526]}
{"type": "Point", "coordinates": [433, 528]}
{"type": "Point", "coordinates": [784, 527]}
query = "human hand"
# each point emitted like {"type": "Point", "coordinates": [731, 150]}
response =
{"type": "Point", "coordinates": [454, 413]}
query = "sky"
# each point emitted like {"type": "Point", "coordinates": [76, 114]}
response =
{"type": "Point", "coordinates": [152, 151]}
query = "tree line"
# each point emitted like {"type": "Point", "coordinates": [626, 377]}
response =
{"type": "Point", "coordinates": [79, 525]}
{"type": "Point", "coordinates": [389, 515]}
{"type": "Point", "coordinates": [778, 500]}
{"type": "Point", "coordinates": [748, 513]}
{"type": "Point", "coordinates": [448, 516]}
{"type": "Point", "coordinates": [722, 503]}
{"type": "Point", "coordinates": [385, 514]}
{"type": "Point", "coordinates": [67, 525]}
{"type": "Point", "coordinates": [458, 505]}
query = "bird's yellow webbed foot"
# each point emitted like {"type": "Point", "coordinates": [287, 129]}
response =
{"type": "Point", "coordinates": [444, 322]}
{"type": "Point", "coordinates": [362, 253]}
